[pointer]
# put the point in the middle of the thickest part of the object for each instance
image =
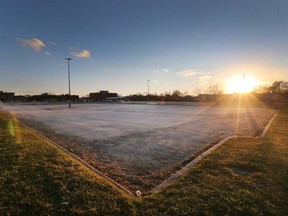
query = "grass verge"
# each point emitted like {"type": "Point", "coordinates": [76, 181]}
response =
{"type": "Point", "coordinates": [245, 176]}
{"type": "Point", "coordinates": [36, 178]}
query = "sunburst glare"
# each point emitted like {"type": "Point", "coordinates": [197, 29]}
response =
{"type": "Point", "coordinates": [241, 84]}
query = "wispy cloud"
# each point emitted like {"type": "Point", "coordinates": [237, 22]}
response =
{"type": "Point", "coordinates": [222, 79]}
{"type": "Point", "coordinates": [162, 70]}
{"type": "Point", "coordinates": [34, 43]}
{"type": "Point", "coordinates": [52, 43]}
{"type": "Point", "coordinates": [203, 79]}
{"type": "Point", "coordinates": [81, 54]}
{"type": "Point", "coordinates": [47, 53]}
{"type": "Point", "coordinates": [73, 48]}
{"type": "Point", "coordinates": [192, 73]}
{"type": "Point", "coordinates": [198, 76]}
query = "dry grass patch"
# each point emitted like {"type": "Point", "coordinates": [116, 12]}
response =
{"type": "Point", "coordinates": [36, 178]}
{"type": "Point", "coordinates": [245, 176]}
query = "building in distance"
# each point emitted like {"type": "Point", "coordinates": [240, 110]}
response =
{"type": "Point", "coordinates": [6, 96]}
{"type": "Point", "coordinates": [104, 96]}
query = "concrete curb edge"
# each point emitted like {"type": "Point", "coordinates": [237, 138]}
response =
{"type": "Point", "coordinates": [76, 158]}
{"type": "Point", "coordinates": [200, 157]}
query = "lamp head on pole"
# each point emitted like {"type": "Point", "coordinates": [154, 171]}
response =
{"type": "Point", "coordinates": [68, 59]}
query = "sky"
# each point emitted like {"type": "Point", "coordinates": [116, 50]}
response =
{"type": "Point", "coordinates": [118, 45]}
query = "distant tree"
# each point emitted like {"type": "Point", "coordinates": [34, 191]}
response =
{"type": "Point", "coordinates": [186, 93]}
{"type": "Point", "coordinates": [215, 89]}
{"type": "Point", "coordinates": [167, 96]}
{"type": "Point", "coordinates": [199, 91]}
{"type": "Point", "coordinates": [280, 87]}
{"type": "Point", "coordinates": [176, 95]}
{"type": "Point", "coordinates": [261, 89]}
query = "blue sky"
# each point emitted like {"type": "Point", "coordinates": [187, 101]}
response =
{"type": "Point", "coordinates": [118, 45]}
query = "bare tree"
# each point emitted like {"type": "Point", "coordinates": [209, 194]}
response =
{"type": "Point", "coordinates": [176, 95]}
{"type": "Point", "coordinates": [199, 91]}
{"type": "Point", "coordinates": [279, 87]}
{"type": "Point", "coordinates": [186, 93]}
{"type": "Point", "coordinates": [260, 89]}
{"type": "Point", "coordinates": [215, 89]}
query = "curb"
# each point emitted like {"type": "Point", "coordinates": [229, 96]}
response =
{"type": "Point", "coordinates": [76, 158]}
{"type": "Point", "coordinates": [189, 166]}
{"type": "Point", "coordinates": [200, 157]}
{"type": "Point", "coordinates": [268, 125]}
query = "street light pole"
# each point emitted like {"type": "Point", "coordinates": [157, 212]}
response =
{"type": "Point", "coordinates": [68, 60]}
{"type": "Point", "coordinates": [148, 90]}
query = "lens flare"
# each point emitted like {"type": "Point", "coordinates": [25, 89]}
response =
{"type": "Point", "coordinates": [14, 130]}
{"type": "Point", "coordinates": [241, 84]}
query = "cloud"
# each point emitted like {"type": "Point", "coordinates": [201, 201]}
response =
{"type": "Point", "coordinates": [222, 79]}
{"type": "Point", "coordinates": [199, 77]}
{"type": "Point", "coordinates": [33, 43]}
{"type": "Point", "coordinates": [162, 70]}
{"type": "Point", "coordinates": [203, 79]}
{"type": "Point", "coordinates": [192, 73]}
{"type": "Point", "coordinates": [52, 43]}
{"type": "Point", "coordinates": [47, 53]}
{"type": "Point", "coordinates": [81, 54]}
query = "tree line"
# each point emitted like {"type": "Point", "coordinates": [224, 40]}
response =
{"type": "Point", "coordinates": [279, 88]}
{"type": "Point", "coordinates": [278, 91]}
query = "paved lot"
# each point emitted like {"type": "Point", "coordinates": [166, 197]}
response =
{"type": "Point", "coordinates": [139, 145]}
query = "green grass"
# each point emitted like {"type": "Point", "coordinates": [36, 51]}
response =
{"type": "Point", "coordinates": [38, 179]}
{"type": "Point", "coordinates": [245, 176]}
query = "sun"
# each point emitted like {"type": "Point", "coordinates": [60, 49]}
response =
{"type": "Point", "coordinates": [241, 84]}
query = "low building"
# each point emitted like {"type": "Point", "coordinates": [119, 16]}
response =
{"type": "Point", "coordinates": [46, 97]}
{"type": "Point", "coordinates": [6, 96]}
{"type": "Point", "coordinates": [207, 97]}
{"type": "Point", "coordinates": [104, 96]}
{"type": "Point", "coordinates": [20, 98]}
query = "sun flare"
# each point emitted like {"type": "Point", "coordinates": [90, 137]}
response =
{"type": "Point", "coordinates": [241, 84]}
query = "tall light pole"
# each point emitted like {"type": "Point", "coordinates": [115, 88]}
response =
{"type": "Point", "coordinates": [148, 90]}
{"type": "Point", "coordinates": [68, 60]}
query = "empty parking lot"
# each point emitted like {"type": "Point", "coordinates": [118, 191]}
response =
{"type": "Point", "coordinates": [139, 145]}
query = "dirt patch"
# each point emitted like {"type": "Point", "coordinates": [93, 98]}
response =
{"type": "Point", "coordinates": [240, 171]}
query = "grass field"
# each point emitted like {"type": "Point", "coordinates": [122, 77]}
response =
{"type": "Point", "coordinates": [36, 178]}
{"type": "Point", "coordinates": [245, 176]}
